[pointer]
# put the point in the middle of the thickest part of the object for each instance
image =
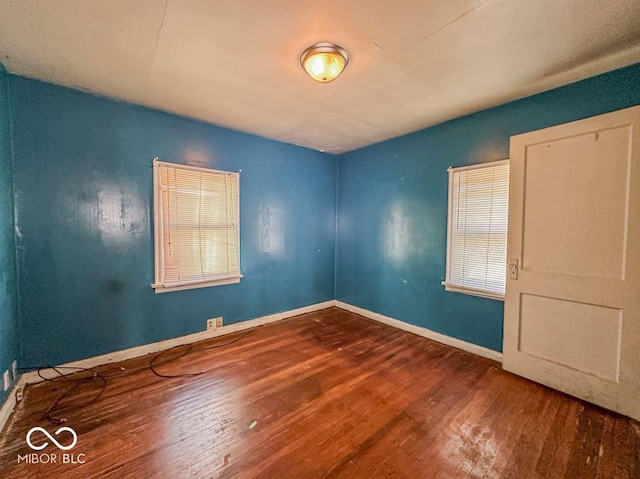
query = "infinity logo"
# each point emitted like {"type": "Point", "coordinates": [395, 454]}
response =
{"type": "Point", "coordinates": [57, 433]}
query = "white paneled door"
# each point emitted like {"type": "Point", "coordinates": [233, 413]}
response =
{"type": "Point", "coordinates": [572, 306]}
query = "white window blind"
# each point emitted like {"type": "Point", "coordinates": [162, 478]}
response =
{"type": "Point", "coordinates": [197, 227]}
{"type": "Point", "coordinates": [477, 230]}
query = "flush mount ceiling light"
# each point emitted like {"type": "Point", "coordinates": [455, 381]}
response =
{"type": "Point", "coordinates": [324, 61]}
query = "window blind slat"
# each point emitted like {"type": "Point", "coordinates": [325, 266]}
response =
{"type": "Point", "coordinates": [479, 204]}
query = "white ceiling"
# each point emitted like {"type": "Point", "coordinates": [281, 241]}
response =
{"type": "Point", "coordinates": [234, 63]}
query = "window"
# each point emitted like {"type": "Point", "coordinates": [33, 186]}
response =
{"type": "Point", "coordinates": [196, 230]}
{"type": "Point", "coordinates": [477, 230]}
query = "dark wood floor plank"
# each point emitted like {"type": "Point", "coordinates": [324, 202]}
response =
{"type": "Point", "coordinates": [328, 395]}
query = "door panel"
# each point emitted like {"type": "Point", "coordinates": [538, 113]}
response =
{"type": "Point", "coordinates": [572, 316]}
{"type": "Point", "coordinates": [554, 241]}
{"type": "Point", "coordinates": [580, 336]}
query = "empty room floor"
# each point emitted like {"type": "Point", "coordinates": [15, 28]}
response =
{"type": "Point", "coordinates": [325, 394]}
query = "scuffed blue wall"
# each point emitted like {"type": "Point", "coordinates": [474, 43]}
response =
{"type": "Point", "coordinates": [392, 206]}
{"type": "Point", "coordinates": [83, 188]}
{"type": "Point", "coordinates": [9, 332]}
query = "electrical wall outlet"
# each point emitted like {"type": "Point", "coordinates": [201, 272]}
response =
{"type": "Point", "coordinates": [214, 323]}
{"type": "Point", "coordinates": [6, 380]}
{"type": "Point", "coordinates": [14, 370]}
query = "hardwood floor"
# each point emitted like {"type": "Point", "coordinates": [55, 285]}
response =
{"type": "Point", "coordinates": [324, 395]}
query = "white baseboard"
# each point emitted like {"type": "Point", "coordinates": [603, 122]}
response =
{"type": "Point", "coordinates": [424, 332]}
{"type": "Point", "coordinates": [10, 403]}
{"type": "Point", "coordinates": [32, 377]}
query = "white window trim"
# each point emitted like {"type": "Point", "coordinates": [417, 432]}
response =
{"type": "Point", "coordinates": [158, 241]}
{"type": "Point", "coordinates": [453, 287]}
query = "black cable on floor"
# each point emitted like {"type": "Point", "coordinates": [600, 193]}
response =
{"type": "Point", "coordinates": [52, 413]}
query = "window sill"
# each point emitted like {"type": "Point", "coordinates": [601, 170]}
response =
{"type": "Point", "coordinates": [454, 288]}
{"type": "Point", "coordinates": [164, 288]}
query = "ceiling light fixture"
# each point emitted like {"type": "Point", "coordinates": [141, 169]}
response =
{"type": "Point", "coordinates": [324, 61]}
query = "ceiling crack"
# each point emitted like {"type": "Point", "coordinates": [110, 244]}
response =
{"type": "Point", "coordinates": [462, 15]}
{"type": "Point", "coordinates": [155, 48]}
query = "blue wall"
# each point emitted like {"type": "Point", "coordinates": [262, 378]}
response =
{"type": "Point", "coordinates": [392, 206]}
{"type": "Point", "coordinates": [9, 334]}
{"type": "Point", "coordinates": [83, 192]}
